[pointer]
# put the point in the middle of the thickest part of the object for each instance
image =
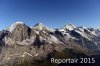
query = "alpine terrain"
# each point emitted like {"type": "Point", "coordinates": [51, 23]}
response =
{"type": "Point", "coordinates": [21, 45]}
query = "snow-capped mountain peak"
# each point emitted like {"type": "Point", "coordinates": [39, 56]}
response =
{"type": "Point", "coordinates": [40, 26]}
{"type": "Point", "coordinates": [70, 27]}
{"type": "Point", "coordinates": [13, 26]}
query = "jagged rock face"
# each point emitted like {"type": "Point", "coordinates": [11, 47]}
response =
{"type": "Point", "coordinates": [21, 32]}
{"type": "Point", "coordinates": [0, 38]}
{"type": "Point", "coordinates": [21, 41]}
{"type": "Point", "coordinates": [3, 34]}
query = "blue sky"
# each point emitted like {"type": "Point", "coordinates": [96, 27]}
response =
{"type": "Point", "coordinates": [53, 13]}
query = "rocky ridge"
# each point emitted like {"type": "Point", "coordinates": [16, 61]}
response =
{"type": "Point", "coordinates": [21, 41]}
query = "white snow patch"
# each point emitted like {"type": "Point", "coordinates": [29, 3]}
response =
{"type": "Point", "coordinates": [19, 22]}
{"type": "Point", "coordinates": [37, 32]}
{"type": "Point", "coordinates": [53, 39]}
{"type": "Point", "coordinates": [62, 30]}
{"type": "Point", "coordinates": [81, 29]}
{"type": "Point", "coordinates": [70, 27]}
{"type": "Point", "coordinates": [69, 36]}
{"type": "Point", "coordinates": [94, 33]}
{"type": "Point", "coordinates": [83, 34]}
{"type": "Point", "coordinates": [44, 32]}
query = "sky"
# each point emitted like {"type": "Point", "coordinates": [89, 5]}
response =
{"type": "Point", "coordinates": [52, 13]}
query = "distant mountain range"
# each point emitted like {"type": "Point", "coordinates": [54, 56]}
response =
{"type": "Point", "coordinates": [21, 43]}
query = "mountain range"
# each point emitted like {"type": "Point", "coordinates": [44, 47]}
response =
{"type": "Point", "coordinates": [20, 43]}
